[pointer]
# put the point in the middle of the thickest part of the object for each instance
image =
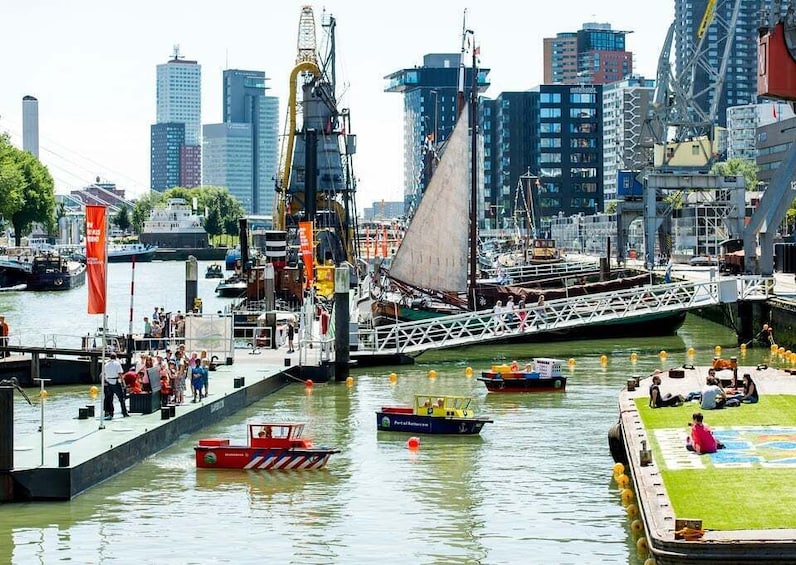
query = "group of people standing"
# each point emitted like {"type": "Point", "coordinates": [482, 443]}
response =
{"type": "Point", "coordinates": [174, 370]}
{"type": "Point", "coordinates": [516, 315]}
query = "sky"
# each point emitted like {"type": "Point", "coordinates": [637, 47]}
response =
{"type": "Point", "coordinates": [92, 66]}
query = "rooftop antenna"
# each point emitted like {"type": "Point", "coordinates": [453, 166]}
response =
{"type": "Point", "coordinates": [176, 56]}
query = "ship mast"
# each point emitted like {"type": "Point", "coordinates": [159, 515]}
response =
{"type": "Point", "coordinates": [472, 298]}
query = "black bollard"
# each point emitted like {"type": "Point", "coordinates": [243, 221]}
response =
{"type": "Point", "coordinates": [165, 413]}
{"type": "Point", "coordinates": [82, 413]}
{"type": "Point", "coordinates": [6, 429]}
{"type": "Point", "coordinates": [63, 459]}
{"type": "Point", "coordinates": [90, 410]}
{"type": "Point", "coordinates": [172, 410]}
{"type": "Point", "coordinates": [341, 322]}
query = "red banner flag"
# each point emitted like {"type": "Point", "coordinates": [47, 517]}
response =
{"type": "Point", "coordinates": [96, 259]}
{"type": "Point", "coordinates": [307, 246]}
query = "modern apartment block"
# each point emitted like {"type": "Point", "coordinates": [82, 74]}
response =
{"type": "Point", "coordinates": [178, 101]}
{"type": "Point", "coordinates": [627, 143]}
{"type": "Point", "coordinates": [430, 111]}
{"type": "Point", "coordinates": [241, 154]}
{"type": "Point", "coordinates": [510, 125]}
{"type": "Point", "coordinates": [743, 123]}
{"type": "Point", "coordinates": [594, 54]}
{"type": "Point", "coordinates": [740, 80]}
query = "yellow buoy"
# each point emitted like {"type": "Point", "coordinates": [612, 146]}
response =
{"type": "Point", "coordinates": [636, 527]}
{"type": "Point", "coordinates": [627, 496]}
{"type": "Point", "coordinates": [633, 357]}
{"type": "Point", "coordinates": [349, 381]}
{"type": "Point", "coordinates": [663, 355]}
{"type": "Point", "coordinates": [781, 351]}
{"type": "Point", "coordinates": [93, 392]}
{"type": "Point", "coordinates": [632, 510]}
{"type": "Point", "coordinates": [618, 469]}
{"type": "Point", "coordinates": [622, 481]}
{"type": "Point", "coordinates": [743, 347]}
{"type": "Point", "coordinates": [468, 372]}
{"type": "Point", "coordinates": [691, 352]}
{"type": "Point", "coordinates": [717, 350]}
{"type": "Point", "coordinates": [393, 377]}
{"type": "Point", "coordinates": [641, 546]}
{"type": "Point", "coordinates": [432, 374]}
{"type": "Point", "coordinates": [571, 362]}
{"type": "Point", "coordinates": [603, 360]}
{"type": "Point", "coordinates": [649, 561]}
{"type": "Point", "coordinates": [774, 348]}
{"type": "Point", "coordinates": [43, 394]}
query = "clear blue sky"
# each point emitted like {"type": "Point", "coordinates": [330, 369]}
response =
{"type": "Point", "coordinates": [91, 64]}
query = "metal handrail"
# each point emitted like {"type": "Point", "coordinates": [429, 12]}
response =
{"type": "Point", "coordinates": [565, 313]}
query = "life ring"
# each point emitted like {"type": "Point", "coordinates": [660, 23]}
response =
{"type": "Point", "coordinates": [557, 383]}
{"type": "Point", "coordinates": [58, 281]}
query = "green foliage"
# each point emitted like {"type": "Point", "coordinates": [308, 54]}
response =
{"type": "Point", "coordinates": [732, 498]}
{"type": "Point", "coordinates": [38, 195]}
{"type": "Point", "coordinates": [221, 208]}
{"type": "Point", "coordinates": [12, 180]}
{"type": "Point", "coordinates": [143, 206]}
{"type": "Point", "coordinates": [744, 167]}
{"type": "Point", "coordinates": [122, 219]}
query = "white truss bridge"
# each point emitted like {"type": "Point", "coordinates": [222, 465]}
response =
{"type": "Point", "coordinates": [631, 305]}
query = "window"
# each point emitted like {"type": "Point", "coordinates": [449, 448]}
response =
{"type": "Point", "coordinates": [582, 112]}
{"type": "Point", "coordinates": [550, 112]}
{"type": "Point", "coordinates": [550, 97]}
{"type": "Point", "coordinates": [550, 127]}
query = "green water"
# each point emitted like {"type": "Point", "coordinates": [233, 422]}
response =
{"type": "Point", "coordinates": [534, 487]}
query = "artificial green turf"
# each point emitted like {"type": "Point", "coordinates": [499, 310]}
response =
{"type": "Point", "coordinates": [728, 498]}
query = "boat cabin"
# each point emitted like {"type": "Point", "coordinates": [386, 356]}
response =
{"type": "Point", "coordinates": [442, 406]}
{"type": "Point", "coordinates": [284, 436]}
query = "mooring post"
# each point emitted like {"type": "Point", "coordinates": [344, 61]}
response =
{"type": "Point", "coordinates": [341, 322]}
{"type": "Point", "coordinates": [6, 442]}
{"type": "Point", "coordinates": [191, 282]}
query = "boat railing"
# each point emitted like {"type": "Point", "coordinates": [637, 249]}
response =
{"type": "Point", "coordinates": [561, 314]}
{"type": "Point", "coordinates": [520, 273]}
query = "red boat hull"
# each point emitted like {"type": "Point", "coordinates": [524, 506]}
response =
{"type": "Point", "coordinates": [218, 454]}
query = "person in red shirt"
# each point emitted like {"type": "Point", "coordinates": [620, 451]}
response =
{"type": "Point", "coordinates": [701, 439]}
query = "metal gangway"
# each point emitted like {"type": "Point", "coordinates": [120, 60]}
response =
{"type": "Point", "coordinates": [413, 338]}
{"type": "Point", "coordinates": [534, 272]}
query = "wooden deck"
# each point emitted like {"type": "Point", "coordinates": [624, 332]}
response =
{"type": "Point", "coordinates": [657, 513]}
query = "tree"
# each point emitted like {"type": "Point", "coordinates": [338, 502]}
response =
{"type": "Point", "coordinates": [38, 196]}
{"type": "Point", "coordinates": [143, 207]}
{"type": "Point", "coordinates": [212, 223]}
{"type": "Point", "coordinates": [12, 180]}
{"type": "Point", "coordinates": [744, 167]}
{"type": "Point", "coordinates": [122, 219]}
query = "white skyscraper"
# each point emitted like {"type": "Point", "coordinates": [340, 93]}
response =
{"type": "Point", "coordinates": [179, 96]}
{"type": "Point", "coordinates": [30, 125]}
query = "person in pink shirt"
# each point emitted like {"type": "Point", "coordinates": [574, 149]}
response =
{"type": "Point", "coordinates": [701, 439]}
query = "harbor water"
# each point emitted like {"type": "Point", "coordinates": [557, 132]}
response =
{"type": "Point", "coordinates": [535, 487]}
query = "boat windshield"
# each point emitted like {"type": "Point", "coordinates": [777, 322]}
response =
{"type": "Point", "coordinates": [276, 431]}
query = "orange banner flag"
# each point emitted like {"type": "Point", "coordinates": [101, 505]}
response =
{"type": "Point", "coordinates": [307, 246]}
{"type": "Point", "coordinates": [96, 259]}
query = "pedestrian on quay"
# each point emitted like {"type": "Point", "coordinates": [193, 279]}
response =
{"type": "Point", "coordinates": [291, 332]}
{"type": "Point", "coordinates": [112, 373]}
{"type": "Point", "coordinates": [197, 379]}
{"type": "Point", "coordinates": [4, 331]}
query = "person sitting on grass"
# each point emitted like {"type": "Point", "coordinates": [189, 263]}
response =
{"type": "Point", "coordinates": [712, 395]}
{"type": "Point", "coordinates": [658, 400]}
{"type": "Point", "coordinates": [749, 393]}
{"type": "Point", "coordinates": [701, 439]}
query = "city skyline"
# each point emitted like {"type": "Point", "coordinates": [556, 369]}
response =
{"type": "Point", "coordinates": [93, 70]}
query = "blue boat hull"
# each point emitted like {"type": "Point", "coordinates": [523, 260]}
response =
{"type": "Point", "coordinates": [389, 422]}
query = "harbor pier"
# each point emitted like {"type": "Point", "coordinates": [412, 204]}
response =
{"type": "Point", "coordinates": [71, 456]}
{"type": "Point", "coordinates": [722, 493]}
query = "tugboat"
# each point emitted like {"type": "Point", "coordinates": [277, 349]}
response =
{"type": "Point", "coordinates": [277, 446]}
{"type": "Point", "coordinates": [51, 271]}
{"type": "Point", "coordinates": [432, 415]}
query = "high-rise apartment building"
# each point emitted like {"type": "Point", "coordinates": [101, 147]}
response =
{"type": "Point", "coordinates": [30, 125]}
{"type": "Point", "coordinates": [241, 154]}
{"type": "Point", "coordinates": [430, 112]}
{"type": "Point", "coordinates": [594, 54]}
{"type": "Point", "coordinates": [627, 142]}
{"type": "Point", "coordinates": [740, 80]}
{"type": "Point", "coordinates": [178, 101]}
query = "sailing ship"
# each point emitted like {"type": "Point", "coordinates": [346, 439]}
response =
{"type": "Point", "coordinates": [433, 271]}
